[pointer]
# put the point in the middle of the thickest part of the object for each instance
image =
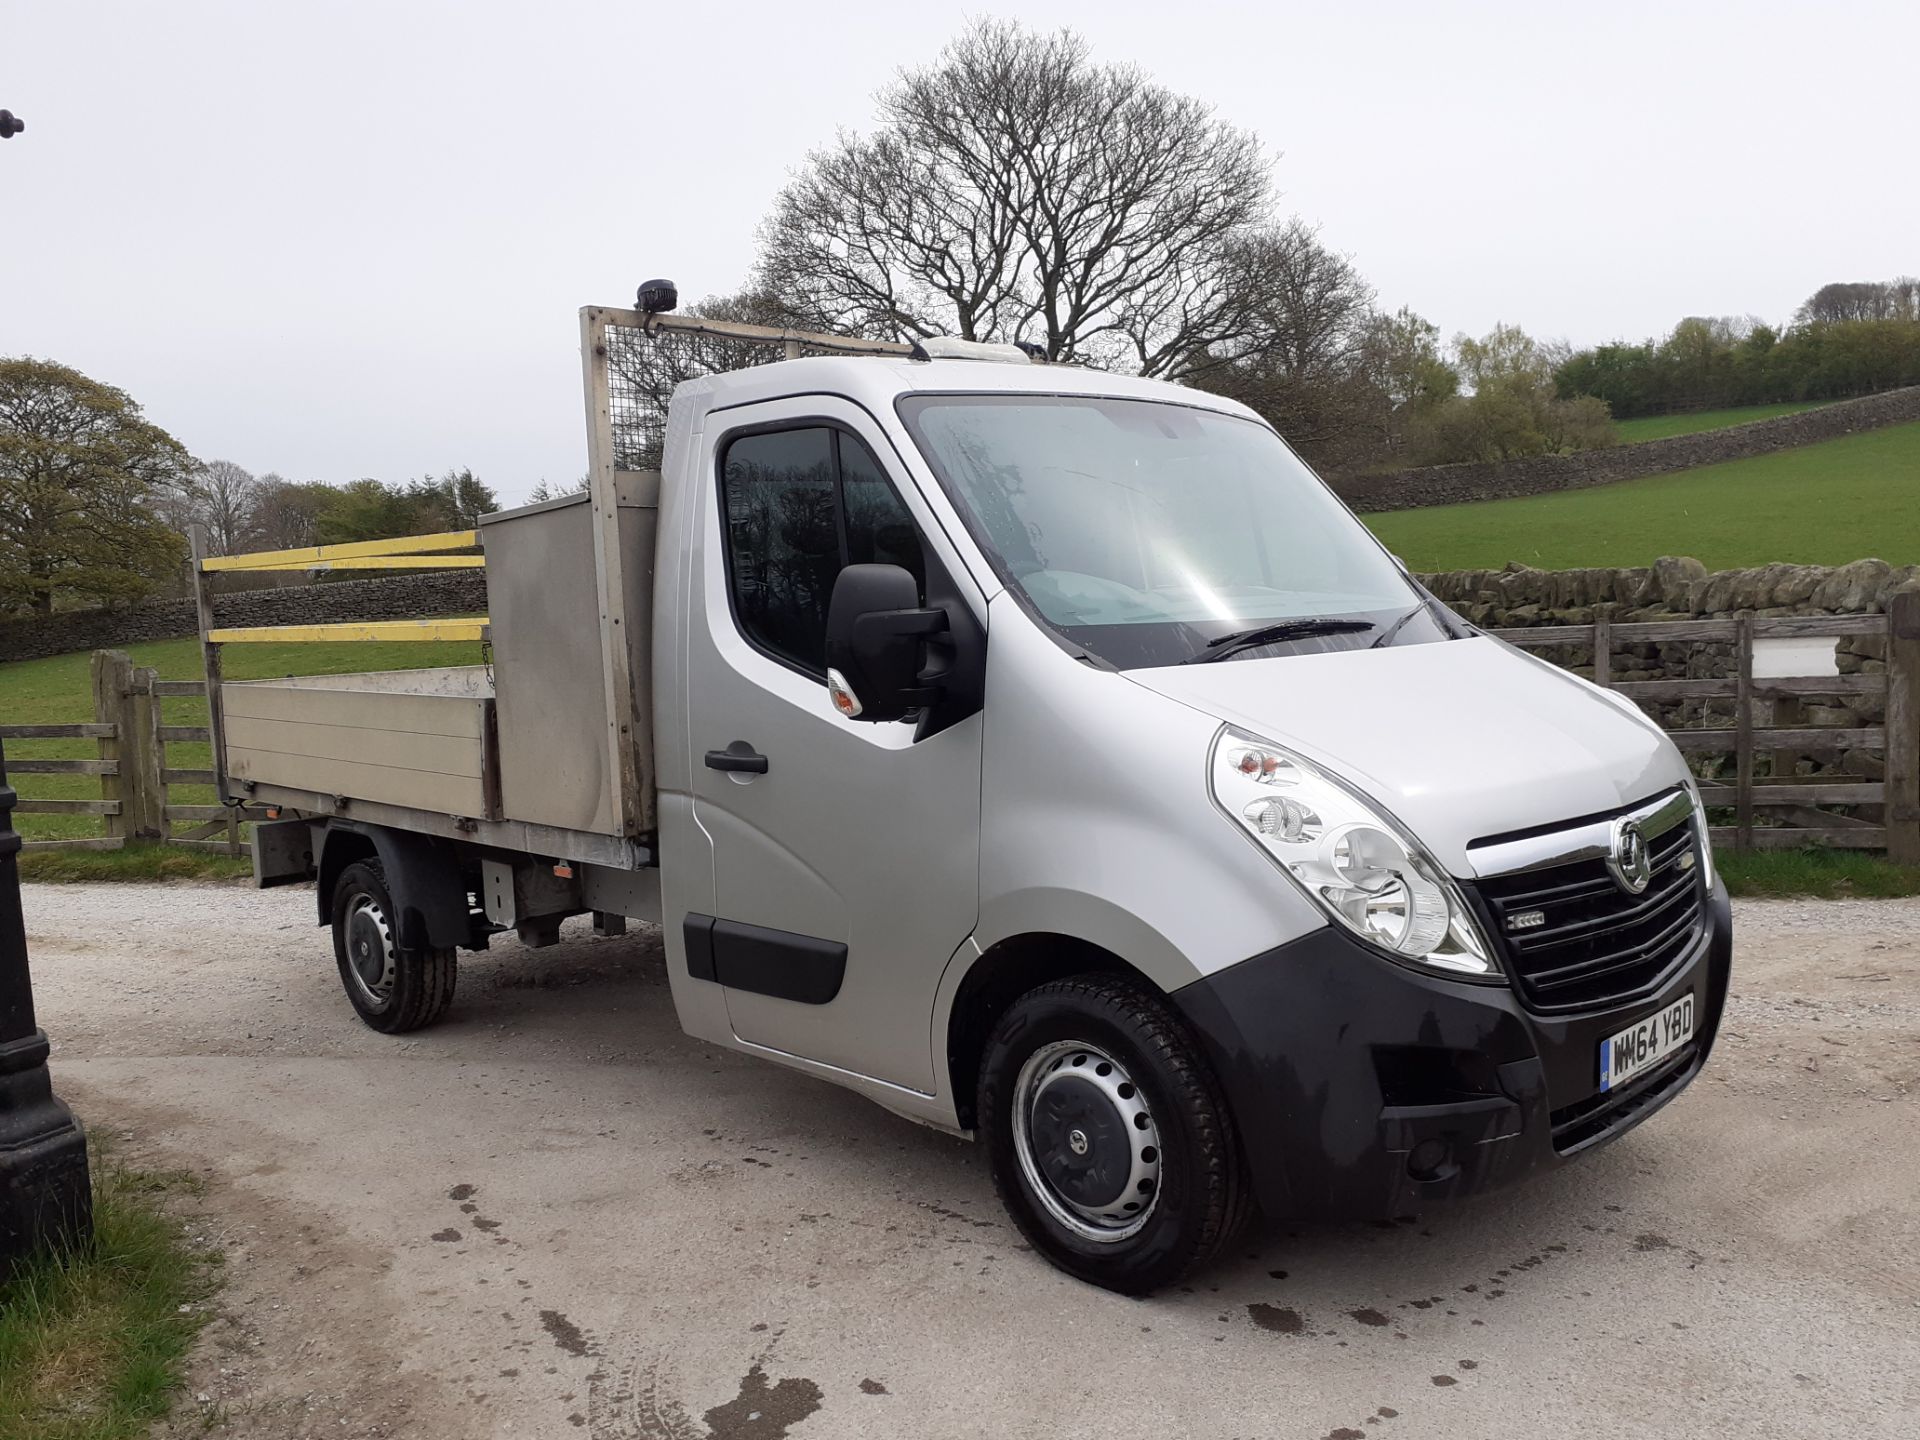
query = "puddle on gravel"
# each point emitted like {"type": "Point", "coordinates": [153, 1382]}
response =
{"type": "Point", "coordinates": [762, 1411]}
{"type": "Point", "coordinates": [1279, 1319]}
{"type": "Point", "coordinates": [565, 1333]}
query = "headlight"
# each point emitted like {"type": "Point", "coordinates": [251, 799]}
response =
{"type": "Point", "coordinates": [1357, 864]}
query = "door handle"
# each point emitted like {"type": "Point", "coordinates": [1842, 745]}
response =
{"type": "Point", "coordinates": [739, 757]}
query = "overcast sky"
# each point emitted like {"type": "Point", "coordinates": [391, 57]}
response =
{"type": "Point", "coordinates": [346, 239]}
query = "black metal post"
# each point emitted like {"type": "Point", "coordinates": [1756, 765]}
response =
{"type": "Point", "coordinates": [46, 1197]}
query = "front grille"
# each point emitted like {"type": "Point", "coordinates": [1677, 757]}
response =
{"type": "Point", "coordinates": [1586, 942]}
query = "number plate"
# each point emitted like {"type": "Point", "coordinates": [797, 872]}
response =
{"type": "Point", "coordinates": [1642, 1046]}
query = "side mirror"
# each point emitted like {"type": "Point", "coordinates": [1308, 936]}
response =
{"type": "Point", "coordinates": [876, 631]}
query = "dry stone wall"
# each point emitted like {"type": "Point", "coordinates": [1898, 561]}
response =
{"type": "Point", "coordinates": [1672, 588]}
{"type": "Point", "coordinates": [399, 597]}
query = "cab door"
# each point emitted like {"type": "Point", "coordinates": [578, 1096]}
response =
{"type": "Point", "coordinates": [846, 854]}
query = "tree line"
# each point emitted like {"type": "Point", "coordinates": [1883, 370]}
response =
{"type": "Point", "coordinates": [1847, 339]}
{"type": "Point", "coordinates": [95, 499]}
{"type": "Point", "coordinates": [245, 512]}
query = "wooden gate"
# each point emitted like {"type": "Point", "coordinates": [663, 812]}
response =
{"type": "Point", "coordinates": [1783, 809]}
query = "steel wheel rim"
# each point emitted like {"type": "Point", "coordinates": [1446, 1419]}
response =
{"type": "Point", "coordinates": [371, 962]}
{"type": "Point", "coordinates": [1063, 1177]}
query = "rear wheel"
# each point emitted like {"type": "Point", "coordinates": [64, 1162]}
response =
{"type": "Point", "coordinates": [1112, 1147]}
{"type": "Point", "coordinates": [392, 989]}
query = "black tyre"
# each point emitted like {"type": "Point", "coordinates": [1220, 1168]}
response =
{"type": "Point", "coordinates": [1112, 1146]}
{"type": "Point", "coordinates": [392, 989]}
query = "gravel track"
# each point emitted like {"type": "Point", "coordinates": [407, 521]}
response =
{"type": "Point", "coordinates": [556, 1215]}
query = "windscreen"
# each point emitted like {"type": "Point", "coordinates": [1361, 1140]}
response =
{"type": "Point", "coordinates": [1148, 533]}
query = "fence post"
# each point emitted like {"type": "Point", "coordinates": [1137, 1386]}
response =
{"type": "Point", "coordinates": [1743, 731]}
{"type": "Point", "coordinates": [144, 797]}
{"type": "Point", "coordinates": [118, 701]}
{"type": "Point", "coordinates": [112, 674]}
{"type": "Point", "coordinates": [1903, 729]}
{"type": "Point", "coordinates": [209, 660]}
{"type": "Point", "coordinates": [1603, 647]}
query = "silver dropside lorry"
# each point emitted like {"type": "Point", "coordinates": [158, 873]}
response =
{"type": "Point", "coordinates": [1045, 754]}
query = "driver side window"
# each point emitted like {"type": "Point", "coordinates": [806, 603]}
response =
{"type": "Point", "coordinates": [796, 506]}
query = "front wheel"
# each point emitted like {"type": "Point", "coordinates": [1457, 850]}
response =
{"type": "Point", "coordinates": [1112, 1147]}
{"type": "Point", "coordinates": [392, 989]}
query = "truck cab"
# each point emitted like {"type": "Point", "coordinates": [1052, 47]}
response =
{"type": "Point", "coordinates": [1051, 757]}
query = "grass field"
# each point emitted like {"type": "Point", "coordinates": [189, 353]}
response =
{"type": "Point", "coordinates": [1815, 874]}
{"type": "Point", "coordinates": [1826, 504]}
{"type": "Point", "coordinates": [1659, 427]}
{"type": "Point", "coordinates": [58, 691]}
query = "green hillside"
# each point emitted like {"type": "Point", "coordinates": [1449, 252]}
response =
{"type": "Point", "coordinates": [1824, 504]}
{"type": "Point", "coordinates": [1659, 427]}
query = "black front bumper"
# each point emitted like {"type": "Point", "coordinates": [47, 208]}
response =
{"type": "Point", "coordinates": [1340, 1065]}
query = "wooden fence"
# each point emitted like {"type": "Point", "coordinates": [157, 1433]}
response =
{"type": "Point", "coordinates": [1778, 810]}
{"type": "Point", "coordinates": [1795, 808]}
{"type": "Point", "coordinates": [136, 782]}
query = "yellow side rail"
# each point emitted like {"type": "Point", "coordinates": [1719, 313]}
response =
{"type": "Point", "coordinates": [472, 628]}
{"type": "Point", "coordinates": [361, 555]}
{"type": "Point", "coordinates": [405, 552]}
{"type": "Point", "coordinates": [373, 562]}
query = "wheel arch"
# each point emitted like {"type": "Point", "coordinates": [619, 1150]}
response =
{"type": "Point", "coordinates": [1034, 934]}
{"type": "Point", "coordinates": [425, 877]}
{"type": "Point", "coordinates": [338, 847]}
{"type": "Point", "coordinates": [1000, 975]}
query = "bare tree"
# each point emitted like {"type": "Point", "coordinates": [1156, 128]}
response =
{"type": "Point", "coordinates": [1855, 300]}
{"type": "Point", "coordinates": [1305, 362]}
{"type": "Point", "coordinates": [1308, 307]}
{"type": "Point", "coordinates": [1017, 190]}
{"type": "Point", "coordinates": [223, 501]}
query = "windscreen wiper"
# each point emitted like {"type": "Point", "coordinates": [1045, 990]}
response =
{"type": "Point", "coordinates": [1441, 616]}
{"type": "Point", "coordinates": [1234, 643]}
{"type": "Point", "coordinates": [1386, 635]}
